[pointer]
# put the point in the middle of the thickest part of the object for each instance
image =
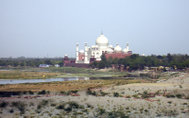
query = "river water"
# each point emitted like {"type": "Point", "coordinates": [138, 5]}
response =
{"type": "Point", "coordinates": [21, 81]}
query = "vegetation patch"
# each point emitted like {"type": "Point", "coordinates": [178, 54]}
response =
{"type": "Point", "coordinates": [43, 92]}
{"type": "Point", "coordinates": [3, 104]}
{"type": "Point", "coordinates": [90, 92]}
{"type": "Point", "coordinates": [116, 94]}
{"type": "Point", "coordinates": [69, 106]}
{"type": "Point", "coordinates": [26, 75]}
{"type": "Point", "coordinates": [20, 106]}
{"type": "Point", "coordinates": [71, 92]}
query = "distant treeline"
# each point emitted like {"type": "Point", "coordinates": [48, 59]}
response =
{"type": "Point", "coordinates": [135, 61]}
{"type": "Point", "coordinates": [33, 62]}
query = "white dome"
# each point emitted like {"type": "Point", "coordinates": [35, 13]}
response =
{"type": "Point", "coordinates": [110, 46]}
{"type": "Point", "coordinates": [81, 51]}
{"type": "Point", "coordinates": [94, 46]}
{"type": "Point", "coordinates": [102, 41]}
{"type": "Point", "coordinates": [125, 50]}
{"type": "Point", "coordinates": [117, 48]}
{"type": "Point", "coordinates": [109, 50]}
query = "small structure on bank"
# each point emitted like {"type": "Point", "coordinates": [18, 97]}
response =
{"type": "Point", "coordinates": [43, 65]}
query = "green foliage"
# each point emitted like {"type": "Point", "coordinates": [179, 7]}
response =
{"type": "Point", "coordinates": [31, 92]}
{"type": "Point", "coordinates": [33, 62]}
{"type": "Point", "coordinates": [69, 106]}
{"type": "Point", "coordinates": [41, 105]}
{"type": "Point", "coordinates": [11, 111]}
{"type": "Point", "coordinates": [44, 102]}
{"type": "Point", "coordinates": [135, 96]}
{"type": "Point", "coordinates": [116, 94]}
{"type": "Point", "coordinates": [90, 92]}
{"type": "Point", "coordinates": [135, 61]}
{"type": "Point", "coordinates": [3, 104]}
{"type": "Point", "coordinates": [20, 106]}
{"type": "Point", "coordinates": [170, 96]}
{"type": "Point", "coordinates": [74, 91]}
{"type": "Point", "coordinates": [68, 92]}
{"type": "Point", "coordinates": [103, 93]}
{"type": "Point", "coordinates": [61, 106]}
{"type": "Point", "coordinates": [145, 94]}
{"type": "Point", "coordinates": [101, 111]}
{"type": "Point", "coordinates": [102, 64]}
{"type": "Point", "coordinates": [43, 92]}
{"type": "Point", "coordinates": [117, 114]}
{"type": "Point", "coordinates": [179, 95]}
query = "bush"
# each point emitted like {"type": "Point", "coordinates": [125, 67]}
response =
{"type": "Point", "coordinates": [68, 92]}
{"type": "Point", "coordinates": [89, 92]}
{"type": "Point", "coordinates": [101, 111]}
{"type": "Point", "coordinates": [135, 96]}
{"type": "Point", "coordinates": [145, 94]}
{"type": "Point", "coordinates": [117, 114]}
{"type": "Point", "coordinates": [103, 93]}
{"type": "Point", "coordinates": [69, 106]}
{"type": "Point", "coordinates": [44, 102]}
{"type": "Point", "coordinates": [60, 106]}
{"type": "Point", "coordinates": [43, 92]}
{"type": "Point", "coordinates": [24, 92]}
{"type": "Point", "coordinates": [63, 92]}
{"type": "Point", "coordinates": [9, 94]}
{"type": "Point", "coordinates": [20, 106]}
{"type": "Point", "coordinates": [170, 96]}
{"type": "Point", "coordinates": [30, 92]}
{"type": "Point", "coordinates": [53, 104]}
{"type": "Point", "coordinates": [11, 111]}
{"type": "Point", "coordinates": [74, 91]}
{"type": "Point", "coordinates": [116, 94]}
{"type": "Point", "coordinates": [179, 95]}
{"type": "Point", "coordinates": [3, 104]}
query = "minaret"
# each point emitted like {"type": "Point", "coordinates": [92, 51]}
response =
{"type": "Point", "coordinates": [101, 32]}
{"type": "Point", "coordinates": [86, 61]}
{"type": "Point", "coordinates": [127, 47]}
{"type": "Point", "coordinates": [77, 53]}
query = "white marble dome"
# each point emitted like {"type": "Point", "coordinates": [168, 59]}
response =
{"type": "Point", "coordinates": [102, 41]}
{"type": "Point", "coordinates": [109, 50]}
{"type": "Point", "coordinates": [110, 46]}
{"type": "Point", "coordinates": [125, 50]}
{"type": "Point", "coordinates": [118, 48]}
{"type": "Point", "coordinates": [81, 51]}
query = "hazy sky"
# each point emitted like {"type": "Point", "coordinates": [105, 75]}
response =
{"type": "Point", "coordinates": [37, 28]}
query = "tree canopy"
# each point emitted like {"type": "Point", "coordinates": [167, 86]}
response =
{"type": "Point", "coordinates": [135, 61]}
{"type": "Point", "coordinates": [33, 62]}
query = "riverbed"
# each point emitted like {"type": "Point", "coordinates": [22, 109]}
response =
{"type": "Point", "coordinates": [21, 81]}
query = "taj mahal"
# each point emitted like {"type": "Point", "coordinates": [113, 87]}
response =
{"type": "Point", "coordinates": [102, 46]}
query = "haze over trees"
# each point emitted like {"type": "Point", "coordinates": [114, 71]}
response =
{"type": "Point", "coordinates": [32, 62]}
{"type": "Point", "coordinates": [135, 61]}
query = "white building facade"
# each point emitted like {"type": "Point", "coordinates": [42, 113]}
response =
{"type": "Point", "coordinates": [95, 51]}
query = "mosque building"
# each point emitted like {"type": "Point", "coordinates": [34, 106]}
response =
{"type": "Point", "coordinates": [102, 46]}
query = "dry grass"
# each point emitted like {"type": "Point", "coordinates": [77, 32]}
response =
{"type": "Point", "coordinates": [67, 85]}
{"type": "Point", "coordinates": [25, 75]}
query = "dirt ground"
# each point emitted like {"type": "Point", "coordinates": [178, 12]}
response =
{"type": "Point", "coordinates": [166, 98]}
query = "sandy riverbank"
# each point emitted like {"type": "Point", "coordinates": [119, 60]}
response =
{"type": "Point", "coordinates": [166, 98]}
